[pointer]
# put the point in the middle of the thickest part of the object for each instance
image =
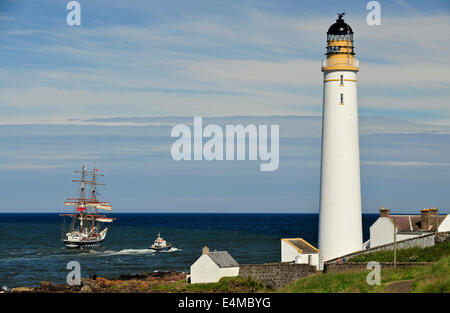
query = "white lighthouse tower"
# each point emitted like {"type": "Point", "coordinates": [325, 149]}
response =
{"type": "Point", "coordinates": [340, 225]}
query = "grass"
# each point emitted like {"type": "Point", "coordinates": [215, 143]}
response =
{"type": "Point", "coordinates": [429, 278]}
{"type": "Point", "coordinates": [226, 284]}
{"type": "Point", "coordinates": [416, 254]}
{"type": "Point", "coordinates": [435, 278]}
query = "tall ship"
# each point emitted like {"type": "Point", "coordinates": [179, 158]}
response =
{"type": "Point", "coordinates": [87, 227]}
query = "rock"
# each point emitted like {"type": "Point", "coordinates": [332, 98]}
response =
{"type": "Point", "coordinates": [22, 289]}
{"type": "Point", "coordinates": [86, 289]}
{"type": "Point", "coordinates": [133, 276]}
{"type": "Point", "coordinates": [47, 286]}
{"type": "Point", "coordinates": [89, 285]}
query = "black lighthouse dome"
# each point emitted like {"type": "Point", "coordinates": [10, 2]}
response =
{"type": "Point", "coordinates": [340, 27]}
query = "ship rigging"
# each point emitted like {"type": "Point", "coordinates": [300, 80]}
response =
{"type": "Point", "coordinates": [86, 228]}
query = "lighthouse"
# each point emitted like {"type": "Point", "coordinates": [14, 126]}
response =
{"type": "Point", "coordinates": [340, 225]}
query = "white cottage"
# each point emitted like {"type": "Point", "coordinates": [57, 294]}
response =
{"type": "Point", "coordinates": [407, 226]}
{"type": "Point", "coordinates": [299, 251]}
{"type": "Point", "coordinates": [212, 266]}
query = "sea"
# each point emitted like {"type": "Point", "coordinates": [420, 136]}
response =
{"type": "Point", "coordinates": [31, 249]}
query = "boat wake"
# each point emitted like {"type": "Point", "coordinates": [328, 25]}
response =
{"type": "Point", "coordinates": [173, 249]}
{"type": "Point", "coordinates": [121, 252]}
{"type": "Point", "coordinates": [127, 252]}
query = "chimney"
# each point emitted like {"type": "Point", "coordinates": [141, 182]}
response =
{"type": "Point", "coordinates": [434, 211]}
{"type": "Point", "coordinates": [205, 250]}
{"type": "Point", "coordinates": [384, 212]}
{"type": "Point", "coordinates": [425, 219]}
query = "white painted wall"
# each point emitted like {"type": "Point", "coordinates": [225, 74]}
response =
{"type": "Point", "coordinates": [228, 272]}
{"type": "Point", "coordinates": [382, 232]}
{"type": "Point", "coordinates": [340, 221]}
{"type": "Point", "coordinates": [404, 237]}
{"type": "Point", "coordinates": [289, 254]}
{"type": "Point", "coordinates": [445, 225]}
{"type": "Point", "coordinates": [304, 259]}
{"type": "Point", "coordinates": [204, 270]}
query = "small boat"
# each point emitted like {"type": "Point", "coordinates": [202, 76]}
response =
{"type": "Point", "coordinates": [160, 244]}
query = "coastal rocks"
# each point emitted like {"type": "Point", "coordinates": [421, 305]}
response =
{"type": "Point", "coordinates": [86, 289]}
{"type": "Point", "coordinates": [47, 286]}
{"type": "Point", "coordinates": [141, 282]}
{"type": "Point", "coordinates": [22, 289]}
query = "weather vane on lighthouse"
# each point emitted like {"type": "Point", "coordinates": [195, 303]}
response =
{"type": "Point", "coordinates": [340, 221]}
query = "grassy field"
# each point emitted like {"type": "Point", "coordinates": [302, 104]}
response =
{"type": "Point", "coordinates": [416, 254]}
{"type": "Point", "coordinates": [226, 284]}
{"type": "Point", "coordinates": [428, 278]}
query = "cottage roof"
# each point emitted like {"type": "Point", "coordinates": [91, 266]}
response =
{"type": "Point", "coordinates": [301, 245]}
{"type": "Point", "coordinates": [412, 223]}
{"type": "Point", "coordinates": [223, 259]}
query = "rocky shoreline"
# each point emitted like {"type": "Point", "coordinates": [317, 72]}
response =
{"type": "Point", "coordinates": [141, 282]}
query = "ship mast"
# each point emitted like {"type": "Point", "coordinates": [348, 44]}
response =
{"type": "Point", "coordinates": [88, 203]}
{"type": "Point", "coordinates": [87, 232]}
{"type": "Point", "coordinates": [81, 206]}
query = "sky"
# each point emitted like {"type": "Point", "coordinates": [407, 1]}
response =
{"type": "Point", "coordinates": [108, 92]}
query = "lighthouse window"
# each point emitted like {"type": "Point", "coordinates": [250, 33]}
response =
{"type": "Point", "coordinates": [342, 98]}
{"type": "Point", "coordinates": [342, 79]}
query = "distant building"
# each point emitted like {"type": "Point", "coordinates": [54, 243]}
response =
{"type": "Point", "coordinates": [210, 267]}
{"type": "Point", "coordinates": [299, 251]}
{"type": "Point", "coordinates": [408, 226]}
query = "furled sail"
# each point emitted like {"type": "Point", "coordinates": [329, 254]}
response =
{"type": "Point", "coordinates": [105, 219]}
{"type": "Point", "coordinates": [100, 205]}
{"type": "Point", "coordinates": [98, 219]}
{"type": "Point", "coordinates": [70, 203]}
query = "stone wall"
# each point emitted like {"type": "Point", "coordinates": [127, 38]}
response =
{"type": "Point", "coordinates": [422, 241]}
{"type": "Point", "coordinates": [442, 237]}
{"type": "Point", "coordinates": [276, 275]}
{"type": "Point", "coordinates": [357, 266]}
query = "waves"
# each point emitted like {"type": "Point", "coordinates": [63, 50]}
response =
{"type": "Point", "coordinates": [173, 249]}
{"type": "Point", "coordinates": [127, 252]}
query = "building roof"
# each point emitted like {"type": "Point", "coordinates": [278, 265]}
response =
{"type": "Point", "coordinates": [412, 223]}
{"type": "Point", "coordinates": [223, 259]}
{"type": "Point", "coordinates": [301, 245]}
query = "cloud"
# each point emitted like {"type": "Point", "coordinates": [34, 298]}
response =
{"type": "Point", "coordinates": [397, 156]}
{"type": "Point", "coordinates": [254, 61]}
{"type": "Point", "coordinates": [28, 166]}
{"type": "Point", "coordinates": [405, 163]}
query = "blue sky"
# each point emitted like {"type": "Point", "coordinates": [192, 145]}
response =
{"type": "Point", "coordinates": [109, 91]}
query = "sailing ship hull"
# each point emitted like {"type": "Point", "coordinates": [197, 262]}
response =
{"type": "Point", "coordinates": [82, 244]}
